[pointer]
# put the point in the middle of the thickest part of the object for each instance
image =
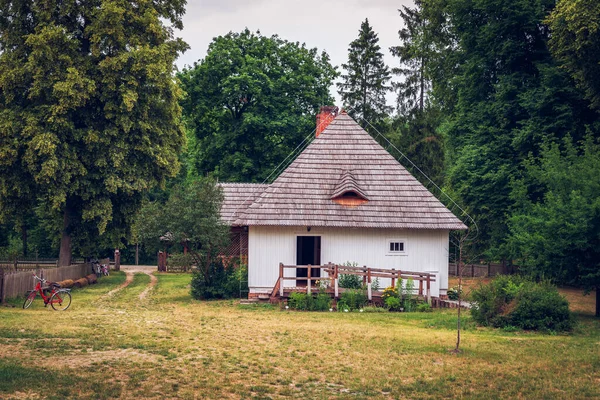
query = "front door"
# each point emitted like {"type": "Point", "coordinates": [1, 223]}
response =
{"type": "Point", "coordinates": [308, 252]}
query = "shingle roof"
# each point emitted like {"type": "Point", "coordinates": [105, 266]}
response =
{"type": "Point", "coordinates": [237, 197]}
{"type": "Point", "coordinates": [301, 195]}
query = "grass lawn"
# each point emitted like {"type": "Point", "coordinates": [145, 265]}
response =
{"type": "Point", "coordinates": [166, 345]}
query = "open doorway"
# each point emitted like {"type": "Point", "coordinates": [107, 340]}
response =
{"type": "Point", "coordinates": [308, 252]}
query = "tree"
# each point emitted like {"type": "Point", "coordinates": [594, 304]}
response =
{"type": "Point", "coordinates": [558, 235]}
{"type": "Point", "coordinates": [511, 95]}
{"type": "Point", "coordinates": [364, 85]}
{"type": "Point", "coordinates": [89, 113]}
{"type": "Point", "coordinates": [190, 216]}
{"type": "Point", "coordinates": [250, 102]}
{"type": "Point", "coordinates": [575, 42]}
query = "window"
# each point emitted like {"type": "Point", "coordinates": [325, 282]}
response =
{"type": "Point", "coordinates": [396, 247]}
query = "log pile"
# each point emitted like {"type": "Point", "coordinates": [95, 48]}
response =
{"type": "Point", "coordinates": [79, 283]}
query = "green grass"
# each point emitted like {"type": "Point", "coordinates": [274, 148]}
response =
{"type": "Point", "coordinates": [170, 346]}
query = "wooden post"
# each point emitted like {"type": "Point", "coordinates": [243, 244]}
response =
{"type": "Point", "coordinates": [393, 278]}
{"type": "Point", "coordinates": [309, 280]}
{"type": "Point", "coordinates": [336, 288]}
{"type": "Point", "coordinates": [421, 285]}
{"type": "Point", "coordinates": [331, 273]}
{"type": "Point", "coordinates": [117, 260]}
{"type": "Point", "coordinates": [369, 291]}
{"type": "Point", "coordinates": [429, 289]}
{"type": "Point", "coordinates": [281, 281]}
{"type": "Point", "coordinates": [137, 254]}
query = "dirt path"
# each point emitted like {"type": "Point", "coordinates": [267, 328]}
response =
{"type": "Point", "coordinates": [130, 270]}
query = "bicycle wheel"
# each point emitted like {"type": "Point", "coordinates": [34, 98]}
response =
{"type": "Point", "coordinates": [60, 300]}
{"type": "Point", "coordinates": [29, 299]}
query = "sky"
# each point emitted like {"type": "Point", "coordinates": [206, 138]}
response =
{"type": "Point", "coordinates": [328, 26]}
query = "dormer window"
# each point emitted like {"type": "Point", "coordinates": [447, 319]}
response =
{"type": "Point", "coordinates": [347, 192]}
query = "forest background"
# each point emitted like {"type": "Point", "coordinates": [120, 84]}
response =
{"type": "Point", "coordinates": [498, 103]}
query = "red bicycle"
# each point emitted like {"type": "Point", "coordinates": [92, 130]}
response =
{"type": "Point", "coordinates": [58, 298]}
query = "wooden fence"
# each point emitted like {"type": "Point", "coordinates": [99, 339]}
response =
{"type": "Point", "coordinates": [482, 270]}
{"type": "Point", "coordinates": [17, 283]}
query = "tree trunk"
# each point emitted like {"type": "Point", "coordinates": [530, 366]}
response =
{"type": "Point", "coordinates": [64, 257]}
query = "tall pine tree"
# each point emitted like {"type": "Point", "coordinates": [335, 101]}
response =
{"type": "Point", "coordinates": [366, 80]}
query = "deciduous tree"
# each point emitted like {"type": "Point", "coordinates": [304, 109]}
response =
{"type": "Point", "coordinates": [89, 112]}
{"type": "Point", "coordinates": [250, 102]}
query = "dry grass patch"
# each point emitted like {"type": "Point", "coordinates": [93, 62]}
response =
{"type": "Point", "coordinates": [170, 346]}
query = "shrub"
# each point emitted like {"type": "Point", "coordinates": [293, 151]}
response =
{"type": "Point", "coordinates": [350, 281]}
{"type": "Point", "coordinates": [298, 301]}
{"type": "Point", "coordinates": [354, 299]}
{"type": "Point", "coordinates": [514, 301]}
{"type": "Point", "coordinates": [409, 302]}
{"type": "Point", "coordinates": [305, 302]}
{"type": "Point", "coordinates": [393, 303]}
{"type": "Point", "coordinates": [220, 281]}
{"type": "Point", "coordinates": [423, 307]}
{"type": "Point", "coordinates": [390, 292]}
{"type": "Point", "coordinates": [454, 293]}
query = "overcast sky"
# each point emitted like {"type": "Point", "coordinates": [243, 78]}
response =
{"type": "Point", "coordinates": [328, 26]}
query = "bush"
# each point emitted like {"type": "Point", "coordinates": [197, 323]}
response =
{"type": "Point", "coordinates": [350, 281]}
{"type": "Point", "coordinates": [304, 302]}
{"type": "Point", "coordinates": [393, 303]}
{"type": "Point", "coordinates": [454, 293]}
{"type": "Point", "coordinates": [220, 282]}
{"type": "Point", "coordinates": [390, 292]}
{"type": "Point", "coordinates": [423, 307]}
{"type": "Point", "coordinates": [512, 301]}
{"type": "Point", "coordinates": [354, 299]}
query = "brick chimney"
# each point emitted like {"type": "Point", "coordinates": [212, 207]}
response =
{"type": "Point", "coordinates": [324, 118]}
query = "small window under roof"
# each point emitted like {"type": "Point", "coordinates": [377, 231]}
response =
{"type": "Point", "coordinates": [347, 192]}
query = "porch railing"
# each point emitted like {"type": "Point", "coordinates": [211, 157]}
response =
{"type": "Point", "coordinates": [334, 271]}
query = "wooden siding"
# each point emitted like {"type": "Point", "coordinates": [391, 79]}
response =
{"type": "Point", "coordinates": [426, 251]}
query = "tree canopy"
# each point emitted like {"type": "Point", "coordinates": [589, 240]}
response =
{"type": "Point", "coordinates": [366, 81]}
{"type": "Point", "coordinates": [89, 112]}
{"type": "Point", "coordinates": [250, 102]}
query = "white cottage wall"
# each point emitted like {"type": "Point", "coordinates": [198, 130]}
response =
{"type": "Point", "coordinates": [426, 251]}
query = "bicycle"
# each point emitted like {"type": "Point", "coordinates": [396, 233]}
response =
{"type": "Point", "coordinates": [59, 298]}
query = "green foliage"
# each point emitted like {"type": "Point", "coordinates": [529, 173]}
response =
{"type": "Point", "coordinates": [423, 307]}
{"type": "Point", "coordinates": [218, 281]}
{"type": "Point", "coordinates": [364, 85]}
{"type": "Point", "coordinates": [512, 301]}
{"type": "Point", "coordinates": [250, 102]}
{"type": "Point", "coordinates": [391, 291]}
{"type": "Point", "coordinates": [393, 303]}
{"type": "Point", "coordinates": [409, 302]}
{"type": "Point", "coordinates": [180, 261]}
{"type": "Point", "coordinates": [350, 281]}
{"type": "Point", "coordinates": [89, 113]}
{"type": "Point", "coordinates": [305, 302]}
{"type": "Point", "coordinates": [558, 235]}
{"type": "Point", "coordinates": [575, 41]}
{"type": "Point", "coordinates": [190, 216]}
{"type": "Point", "coordinates": [353, 299]}
{"type": "Point", "coordinates": [454, 293]}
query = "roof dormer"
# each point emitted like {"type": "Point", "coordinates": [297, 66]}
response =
{"type": "Point", "coordinates": [347, 191]}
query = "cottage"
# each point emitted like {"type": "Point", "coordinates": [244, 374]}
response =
{"type": "Point", "coordinates": [343, 199]}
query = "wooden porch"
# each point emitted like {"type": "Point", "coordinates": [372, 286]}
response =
{"type": "Point", "coordinates": [315, 282]}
